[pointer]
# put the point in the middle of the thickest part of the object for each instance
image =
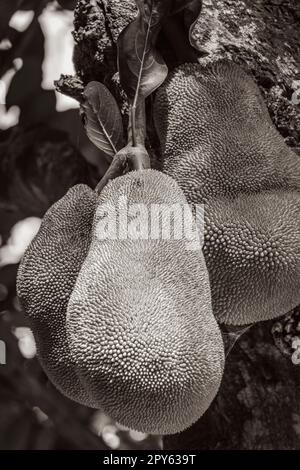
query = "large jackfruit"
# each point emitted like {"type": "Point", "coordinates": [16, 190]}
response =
{"type": "Point", "coordinates": [221, 147]}
{"type": "Point", "coordinates": [139, 320]}
{"type": "Point", "coordinates": [123, 324]}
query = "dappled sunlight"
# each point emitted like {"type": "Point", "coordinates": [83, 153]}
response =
{"type": "Point", "coordinates": [57, 27]}
{"type": "Point", "coordinates": [26, 342]}
{"type": "Point", "coordinates": [21, 236]}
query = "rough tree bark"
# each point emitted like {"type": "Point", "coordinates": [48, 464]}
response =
{"type": "Point", "coordinates": [258, 405]}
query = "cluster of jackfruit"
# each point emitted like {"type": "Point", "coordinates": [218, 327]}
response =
{"type": "Point", "coordinates": [129, 325]}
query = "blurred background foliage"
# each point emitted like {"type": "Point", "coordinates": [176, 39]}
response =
{"type": "Point", "coordinates": [43, 151]}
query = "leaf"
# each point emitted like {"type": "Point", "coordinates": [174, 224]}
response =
{"type": "Point", "coordinates": [141, 67]}
{"type": "Point", "coordinates": [191, 15]}
{"type": "Point", "coordinates": [191, 11]}
{"type": "Point", "coordinates": [102, 118]}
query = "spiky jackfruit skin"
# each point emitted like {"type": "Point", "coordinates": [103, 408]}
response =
{"type": "Point", "coordinates": [221, 147]}
{"type": "Point", "coordinates": [138, 337]}
{"type": "Point", "coordinates": [46, 278]}
{"type": "Point", "coordinates": [139, 321]}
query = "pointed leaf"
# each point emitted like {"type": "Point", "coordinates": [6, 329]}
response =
{"type": "Point", "coordinates": [191, 11]}
{"type": "Point", "coordinates": [191, 15]}
{"type": "Point", "coordinates": [141, 67]}
{"type": "Point", "coordinates": [103, 122]}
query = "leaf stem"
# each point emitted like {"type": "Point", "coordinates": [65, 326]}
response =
{"type": "Point", "coordinates": [137, 91]}
{"type": "Point", "coordinates": [137, 124]}
{"type": "Point", "coordinates": [136, 105]}
{"type": "Point", "coordinates": [133, 126]}
{"type": "Point", "coordinates": [114, 170]}
{"type": "Point", "coordinates": [136, 157]}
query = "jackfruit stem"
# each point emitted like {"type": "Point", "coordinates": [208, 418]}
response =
{"type": "Point", "coordinates": [137, 158]}
{"type": "Point", "coordinates": [134, 154]}
{"type": "Point", "coordinates": [115, 169]}
{"type": "Point", "coordinates": [137, 124]}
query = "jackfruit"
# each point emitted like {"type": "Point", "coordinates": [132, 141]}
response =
{"type": "Point", "coordinates": [46, 278]}
{"type": "Point", "coordinates": [123, 324]}
{"type": "Point", "coordinates": [220, 145]}
{"type": "Point", "coordinates": [139, 321]}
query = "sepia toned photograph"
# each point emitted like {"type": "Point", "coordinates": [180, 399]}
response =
{"type": "Point", "coordinates": [149, 229]}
